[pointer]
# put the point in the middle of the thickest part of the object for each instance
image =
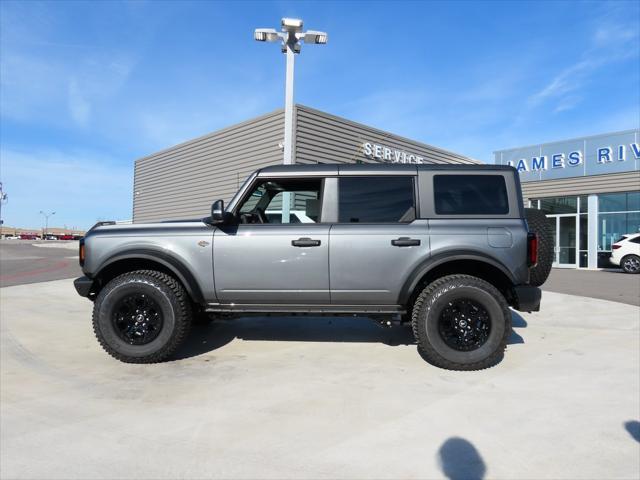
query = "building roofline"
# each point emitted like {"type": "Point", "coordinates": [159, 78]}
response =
{"type": "Point", "coordinates": [215, 132]}
{"type": "Point", "coordinates": [587, 137]}
{"type": "Point", "coordinates": [386, 133]}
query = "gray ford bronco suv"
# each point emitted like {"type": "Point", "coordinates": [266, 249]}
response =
{"type": "Point", "coordinates": [445, 248]}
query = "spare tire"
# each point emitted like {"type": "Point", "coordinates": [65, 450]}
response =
{"type": "Point", "coordinates": [540, 225]}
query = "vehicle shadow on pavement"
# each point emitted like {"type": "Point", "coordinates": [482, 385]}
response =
{"type": "Point", "coordinates": [459, 460]}
{"type": "Point", "coordinates": [206, 337]}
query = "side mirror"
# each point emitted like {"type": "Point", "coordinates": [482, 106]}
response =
{"type": "Point", "coordinates": [217, 212]}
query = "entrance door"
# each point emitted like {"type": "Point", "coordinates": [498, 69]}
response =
{"type": "Point", "coordinates": [566, 235]}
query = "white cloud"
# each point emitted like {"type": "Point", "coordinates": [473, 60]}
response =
{"type": "Point", "coordinates": [615, 41]}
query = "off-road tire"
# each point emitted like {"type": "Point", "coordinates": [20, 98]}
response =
{"type": "Point", "coordinates": [539, 224]}
{"type": "Point", "coordinates": [627, 266]}
{"type": "Point", "coordinates": [175, 308]}
{"type": "Point", "coordinates": [426, 315]}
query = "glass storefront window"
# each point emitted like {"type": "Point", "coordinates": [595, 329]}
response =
{"type": "Point", "coordinates": [584, 204]}
{"type": "Point", "coordinates": [619, 202]}
{"type": "Point", "coordinates": [611, 226]}
{"type": "Point", "coordinates": [556, 205]}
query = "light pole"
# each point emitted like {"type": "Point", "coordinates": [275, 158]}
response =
{"type": "Point", "coordinates": [289, 38]}
{"type": "Point", "coordinates": [4, 198]}
{"type": "Point", "coordinates": [46, 222]}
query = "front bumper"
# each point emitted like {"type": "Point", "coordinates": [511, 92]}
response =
{"type": "Point", "coordinates": [83, 286]}
{"type": "Point", "coordinates": [527, 298]}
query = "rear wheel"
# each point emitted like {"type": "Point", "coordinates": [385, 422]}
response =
{"type": "Point", "coordinates": [539, 224]}
{"type": "Point", "coordinates": [461, 322]}
{"type": "Point", "coordinates": [631, 264]}
{"type": "Point", "coordinates": [141, 316]}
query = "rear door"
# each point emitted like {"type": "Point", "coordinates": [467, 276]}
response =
{"type": "Point", "coordinates": [377, 240]}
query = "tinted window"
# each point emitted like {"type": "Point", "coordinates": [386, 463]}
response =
{"type": "Point", "coordinates": [376, 199]}
{"type": "Point", "coordinates": [470, 195]}
{"type": "Point", "coordinates": [635, 240]}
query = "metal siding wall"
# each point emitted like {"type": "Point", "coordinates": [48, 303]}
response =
{"type": "Point", "coordinates": [324, 138]}
{"type": "Point", "coordinates": [183, 181]}
{"type": "Point", "coordinates": [610, 183]}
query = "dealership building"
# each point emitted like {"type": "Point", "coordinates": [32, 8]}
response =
{"type": "Point", "coordinates": [589, 188]}
{"type": "Point", "coordinates": [182, 181]}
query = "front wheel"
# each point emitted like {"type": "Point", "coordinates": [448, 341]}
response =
{"type": "Point", "coordinates": [631, 264]}
{"type": "Point", "coordinates": [141, 316]}
{"type": "Point", "coordinates": [461, 322]}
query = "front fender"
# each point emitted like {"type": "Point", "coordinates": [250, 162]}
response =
{"type": "Point", "coordinates": [167, 260]}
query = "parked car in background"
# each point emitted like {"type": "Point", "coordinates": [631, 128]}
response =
{"type": "Point", "coordinates": [625, 252]}
{"type": "Point", "coordinates": [28, 236]}
{"type": "Point", "coordinates": [12, 237]}
{"type": "Point", "coordinates": [66, 237]}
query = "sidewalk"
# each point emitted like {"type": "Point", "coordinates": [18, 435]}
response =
{"type": "Point", "coordinates": [317, 398]}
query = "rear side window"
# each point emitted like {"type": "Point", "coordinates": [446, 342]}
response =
{"type": "Point", "coordinates": [470, 195]}
{"type": "Point", "coordinates": [635, 240]}
{"type": "Point", "coordinates": [376, 199]}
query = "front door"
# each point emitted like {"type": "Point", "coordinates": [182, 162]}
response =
{"type": "Point", "coordinates": [276, 252]}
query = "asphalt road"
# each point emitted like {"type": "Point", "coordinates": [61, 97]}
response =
{"type": "Point", "coordinates": [21, 262]}
{"type": "Point", "coordinates": [614, 285]}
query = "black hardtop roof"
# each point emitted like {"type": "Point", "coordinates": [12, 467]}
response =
{"type": "Point", "coordinates": [376, 168]}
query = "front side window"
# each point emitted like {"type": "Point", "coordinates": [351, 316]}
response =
{"type": "Point", "coordinates": [282, 201]}
{"type": "Point", "coordinates": [470, 195]}
{"type": "Point", "coordinates": [376, 199]}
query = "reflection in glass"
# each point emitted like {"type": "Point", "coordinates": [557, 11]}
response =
{"type": "Point", "coordinates": [555, 205]}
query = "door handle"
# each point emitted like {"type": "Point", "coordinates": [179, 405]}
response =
{"type": "Point", "coordinates": [405, 242]}
{"type": "Point", "coordinates": [305, 242]}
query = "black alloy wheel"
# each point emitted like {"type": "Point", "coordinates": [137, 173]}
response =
{"type": "Point", "coordinates": [464, 325]}
{"type": "Point", "coordinates": [137, 319]}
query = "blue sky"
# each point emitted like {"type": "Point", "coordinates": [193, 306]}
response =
{"type": "Point", "coordinates": [88, 87]}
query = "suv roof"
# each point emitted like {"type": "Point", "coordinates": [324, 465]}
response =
{"type": "Point", "coordinates": [373, 168]}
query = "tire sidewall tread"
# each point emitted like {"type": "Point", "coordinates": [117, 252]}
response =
{"type": "Point", "coordinates": [539, 224]}
{"type": "Point", "coordinates": [171, 297]}
{"type": "Point", "coordinates": [623, 261]}
{"type": "Point", "coordinates": [422, 324]}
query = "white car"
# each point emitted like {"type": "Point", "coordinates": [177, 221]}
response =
{"type": "Point", "coordinates": [625, 252]}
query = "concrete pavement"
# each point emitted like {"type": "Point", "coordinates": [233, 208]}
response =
{"type": "Point", "coordinates": [317, 398]}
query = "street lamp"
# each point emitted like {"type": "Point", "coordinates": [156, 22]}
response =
{"type": "Point", "coordinates": [4, 198]}
{"type": "Point", "coordinates": [46, 221]}
{"type": "Point", "coordinates": [289, 38]}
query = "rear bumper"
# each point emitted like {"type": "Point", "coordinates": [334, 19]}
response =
{"type": "Point", "coordinates": [527, 298]}
{"type": "Point", "coordinates": [83, 286]}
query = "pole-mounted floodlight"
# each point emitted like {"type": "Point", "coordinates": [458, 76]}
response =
{"type": "Point", "coordinates": [46, 222]}
{"type": "Point", "coordinates": [290, 36]}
